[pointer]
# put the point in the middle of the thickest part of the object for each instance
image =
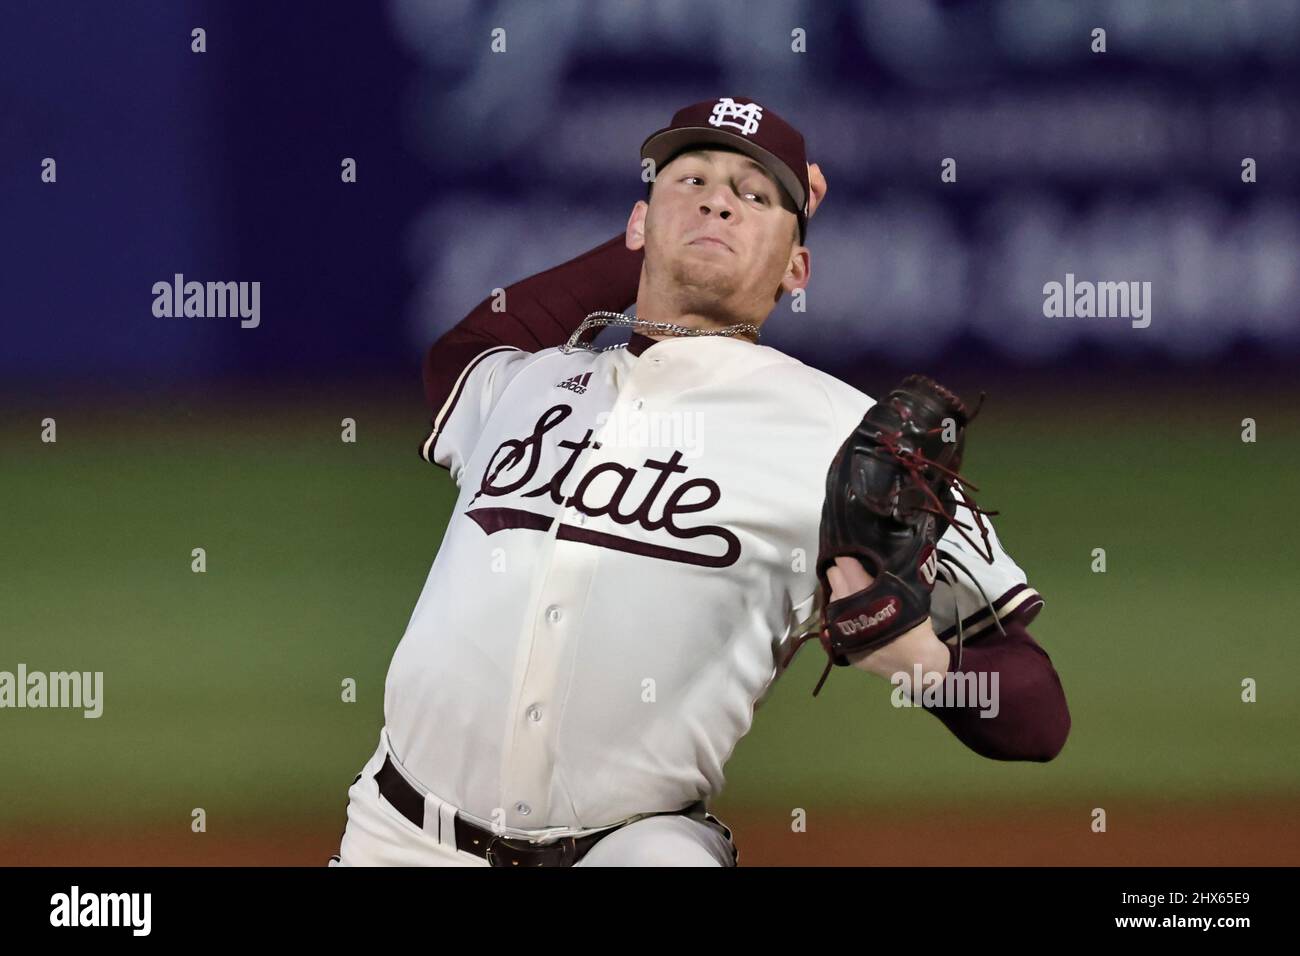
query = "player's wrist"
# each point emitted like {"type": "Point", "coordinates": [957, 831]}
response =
{"type": "Point", "coordinates": [918, 647]}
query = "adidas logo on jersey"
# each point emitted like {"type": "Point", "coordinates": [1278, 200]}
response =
{"type": "Point", "coordinates": [578, 383]}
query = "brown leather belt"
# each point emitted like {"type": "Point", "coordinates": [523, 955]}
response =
{"type": "Point", "coordinates": [472, 838]}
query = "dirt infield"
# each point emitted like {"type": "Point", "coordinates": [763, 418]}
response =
{"type": "Point", "coordinates": [1242, 834]}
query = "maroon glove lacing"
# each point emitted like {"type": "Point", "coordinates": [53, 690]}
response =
{"type": "Point", "coordinates": [915, 463]}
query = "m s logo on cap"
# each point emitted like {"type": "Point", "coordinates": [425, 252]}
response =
{"type": "Point", "coordinates": [727, 111]}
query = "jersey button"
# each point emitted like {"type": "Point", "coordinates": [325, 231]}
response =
{"type": "Point", "coordinates": [553, 614]}
{"type": "Point", "coordinates": [636, 406]}
{"type": "Point", "coordinates": [534, 713]}
{"type": "Point", "coordinates": [523, 809]}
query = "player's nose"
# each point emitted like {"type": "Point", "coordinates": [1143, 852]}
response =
{"type": "Point", "coordinates": [720, 201]}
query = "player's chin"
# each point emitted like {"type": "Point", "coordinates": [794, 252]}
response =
{"type": "Point", "coordinates": [708, 259]}
{"type": "Point", "coordinates": [710, 281]}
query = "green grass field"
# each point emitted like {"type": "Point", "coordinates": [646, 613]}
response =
{"type": "Point", "coordinates": [222, 689]}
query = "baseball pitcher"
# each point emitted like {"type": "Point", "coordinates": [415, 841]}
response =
{"type": "Point", "coordinates": [645, 533]}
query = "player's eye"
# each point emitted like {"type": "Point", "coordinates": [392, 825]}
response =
{"type": "Point", "coordinates": [760, 197]}
{"type": "Point", "coordinates": [687, 178]}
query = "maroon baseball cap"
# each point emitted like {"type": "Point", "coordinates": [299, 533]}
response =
{"type": "Point", "coordinates": [743, 125]}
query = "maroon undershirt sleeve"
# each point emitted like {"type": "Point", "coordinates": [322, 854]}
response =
{"type": "Point", "coordinates": [1033, 719]}
{"type": "Point", "coordinates": [541, 312]}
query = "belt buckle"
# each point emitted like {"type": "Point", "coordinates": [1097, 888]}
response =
{"type": "Point", "coordinates": [567, 848]}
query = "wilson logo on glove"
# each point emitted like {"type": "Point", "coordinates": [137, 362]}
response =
{"type": "Point", "coordinates": [871, 618]}
{"type": "Point", "coordinates": [930, 567]}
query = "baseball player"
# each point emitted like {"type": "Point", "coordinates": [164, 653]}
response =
{"type": "Point", "coordinates": [645, 533]}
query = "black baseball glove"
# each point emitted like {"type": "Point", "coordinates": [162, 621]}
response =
{"type": "Point", "coordinates": [891, 493]}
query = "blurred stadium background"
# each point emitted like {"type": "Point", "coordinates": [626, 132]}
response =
{"type": "Point", "coordinates": [476, 169]}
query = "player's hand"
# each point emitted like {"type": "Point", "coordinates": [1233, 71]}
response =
{"type": "Point", "coordinates": [917, 646]}
{"type": "Point", "coordinates": [847, 577]}
{"type": "Point", "coordinates": [816, 188]}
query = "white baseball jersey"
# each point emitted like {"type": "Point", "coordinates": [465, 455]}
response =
{"type": "Point", "coordinates": [631, 554]}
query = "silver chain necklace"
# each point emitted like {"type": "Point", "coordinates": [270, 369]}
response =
{"type": "Point", "coordinates": [597, 319]}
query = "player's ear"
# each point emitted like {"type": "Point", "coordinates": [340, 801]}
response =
{"type": "Point", "coordinates": [635, 237]}
{"type": "Point", "coordinates": [799, 271]}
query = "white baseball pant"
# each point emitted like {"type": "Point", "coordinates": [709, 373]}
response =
{"type": "Point", "coordinates": [378, 835]}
